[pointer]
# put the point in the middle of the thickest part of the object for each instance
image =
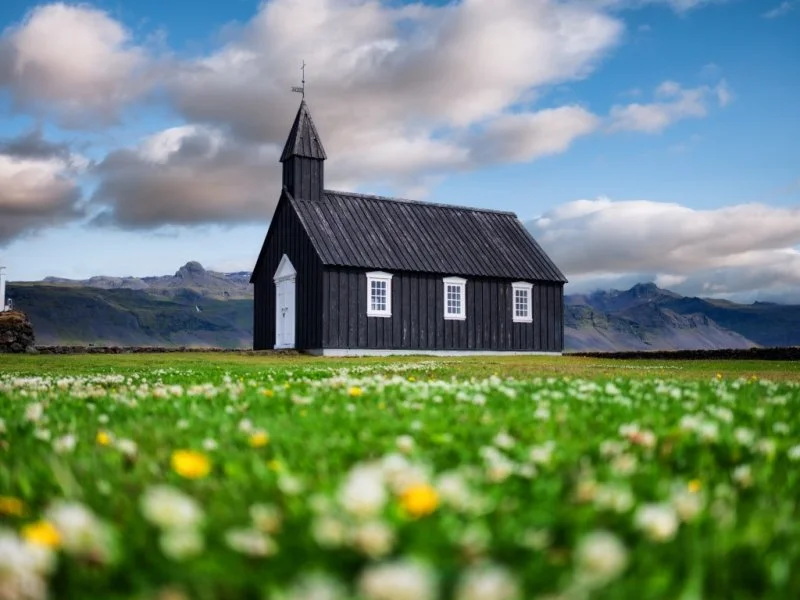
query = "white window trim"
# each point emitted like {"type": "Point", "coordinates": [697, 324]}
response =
{"type": "Point", "coordinates": [379, 276]}
{"type": "Point", "coordinates": [461, 283]}
{"type": "Point", "coordinates": [528, 287]}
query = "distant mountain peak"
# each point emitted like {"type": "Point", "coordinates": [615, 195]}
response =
{"type": "Point", "coordinates": [190, 269]}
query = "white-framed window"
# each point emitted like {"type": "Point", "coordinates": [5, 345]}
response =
{"type": "Point", "coordinates": [379, 294]}
{"type": "Point", "coordinates": [455, 298]}
{"type": "Point", "coordinates": [521, 307]}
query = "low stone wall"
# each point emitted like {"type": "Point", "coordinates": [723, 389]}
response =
{"type": "Point", "coordinates": [152, 350]}
{"type": "Point", "coordinates": [16, 333]}
{"type": "Point", "coordinates": [790, 353]}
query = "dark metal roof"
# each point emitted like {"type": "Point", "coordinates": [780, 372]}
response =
{"type": "Point", "coordinates": [355, 230]}
{"type": "Point", "coordinates": [303, 138]}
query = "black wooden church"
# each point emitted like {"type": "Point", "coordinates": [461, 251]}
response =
{"type": "Point", "coordinates": [342, 273]}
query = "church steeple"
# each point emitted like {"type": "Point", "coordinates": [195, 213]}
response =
{"type": "Point", "coordinates": [303, 157]}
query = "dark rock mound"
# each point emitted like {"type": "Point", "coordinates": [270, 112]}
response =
{"type": "Point", "coordinates": [16, 332]}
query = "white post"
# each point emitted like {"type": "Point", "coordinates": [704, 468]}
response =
{"type": "Point", "coordinates": [2, 289]}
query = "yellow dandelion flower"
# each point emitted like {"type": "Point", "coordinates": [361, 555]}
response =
{"type": "Point", "coordinates": [355, 391]}
{"type": "Point", "coordinates": [103, 438]}
{"type": "Point", "coordinates": [719, 375]}
{"type": "Point", "coordinates": [259, 439]}
{"type": "Point", "coordinates": [412, 378]}
{"type": "Point", "coordinates": [42, 533]}
{"type": "Point", "coordinates": [419, 500]}
{"type": "Point", "coordinates": [269, 393]}
{"type": "Point", "coordinates": [11, 506]}
{"type": "Point", "coordinates": [694, 486]}
{"type": "Point", "coordinates": [190, 464]}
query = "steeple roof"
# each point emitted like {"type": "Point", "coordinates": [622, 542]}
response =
{"type": "Point", "coordinates": [303, 138]}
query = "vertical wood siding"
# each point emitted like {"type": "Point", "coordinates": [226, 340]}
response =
{"type": "Point", "coordinates": [287, 236]}
{"type": "Point", "coordinates": [303, 177]}
{"type": "Point", "coordinates": [418, 323]}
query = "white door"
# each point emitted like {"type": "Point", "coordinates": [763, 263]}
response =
{"type": "Point", "coordinates": [285, 277]}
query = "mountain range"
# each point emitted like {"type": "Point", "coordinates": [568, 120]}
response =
{"type": "Point", "coordinates": [197, 307]}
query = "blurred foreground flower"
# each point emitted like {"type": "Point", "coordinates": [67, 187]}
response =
{"type": "Point", "coordinates": [190, 464]}
{"type": "Point", "coordinates": [42, 533]}
{"type": "Point", "coordinates": [420, 500]}
{"type": "Point", "coordinates": [399, 580]}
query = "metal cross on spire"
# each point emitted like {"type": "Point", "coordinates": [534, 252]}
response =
{"type": "Point", "coordinates": [301, 89]}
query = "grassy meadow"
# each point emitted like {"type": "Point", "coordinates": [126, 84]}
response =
{"type": "Point", "coordinates": [177, 476]}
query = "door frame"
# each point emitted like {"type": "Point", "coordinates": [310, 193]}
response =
{"type": "Point", "coordinates": [286, 277]}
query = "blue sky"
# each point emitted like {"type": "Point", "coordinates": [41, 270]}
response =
{"type": "Point", "coordinates": [640, 139]}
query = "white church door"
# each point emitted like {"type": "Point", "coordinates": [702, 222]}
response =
{"type": "Point", "coordinates": [285, 278]}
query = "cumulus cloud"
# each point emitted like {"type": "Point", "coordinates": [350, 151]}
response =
{"type": "Point", "coordinates": [402, 87]}
{"type": "Point", "coordinates": [187, 175]}
{"type": "Point", "coordinates": [38, 185]}
{"type": "Point", "coordinates": [672, 103]}
{"type": "Point", "coordinates": [713, 252]}
{"type": "Point", "coordinates": [73, 62]}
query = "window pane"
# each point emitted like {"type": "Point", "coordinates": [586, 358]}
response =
{"type": "Point", "coordinates": [453, 297]}
{"type": "Point", "coordinates": [521, 300]}
{"type": "Point", "coordinates": [378, 294]}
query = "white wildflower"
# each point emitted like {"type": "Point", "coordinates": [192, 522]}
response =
{"type": "Point", "coordinates": [81, 532]}
{"type": "Point", "coordinates": [181, 544]}
{"type": "Point", "coordinates": [127, 447]}
{"type": "Point", "coordinates": [793, 453]}
{"type": "Point", "coordinates": [266, 517]}
{"type": "Point", "coordinates": [487, 582]}
{"type": "Point", "coordinates": [65, 444]}
{"type": "Point", "coordinates": [659, 521]}
{"type": "Point", "coordinates": [169, 508]}
{"type": "Point", "coordinates": [34, 412]}
{"type": "Point", "coordinates": [315, 586]}
{"type": "Point", "coordinates": [543, 453]}
{"type": "Point", "coordinates": [405, 443]}
{"type": "Point", "coordinates": [743, 475]}
{"type": "Point", "coordinates": [398, 580]}
{"type": "Point", "coordinates": [363, 493]}
{"type": "Point", "coordinates": [329, 532]}
{"type": "Point", "coordinates": [600, 558]}
{"type": "Point", "coordinates": [209, 445]}
{"type": "Point", "coordinates": [453, 490]}
{"type": "Point", "coordinates": [504, 440]}
{"type": "Point", "coordinates": [687, 504]}
{"type": "Point", "coordinates": [374, 538]}
{"type": "Point", "coordinates": [251, 542]}
{"type": "Point", "coordinates": [614, 497]}
{"type": "Point", "coordinates": [744, 436]}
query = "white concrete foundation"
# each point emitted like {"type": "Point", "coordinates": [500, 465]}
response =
{"type": "Point", "coordinates": [389, 352]}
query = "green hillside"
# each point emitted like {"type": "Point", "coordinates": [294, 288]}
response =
{"type": "Point", "coordinates": [84, 315]}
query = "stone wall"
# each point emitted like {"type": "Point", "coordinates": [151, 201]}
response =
{"type": "Point", "coordinates": [16, 332]}
{"type": "Point", "coordinates": [790, 353]}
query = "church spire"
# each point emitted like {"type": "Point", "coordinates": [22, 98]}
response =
{"type": "Point", "coordinates": [302, 158]}
{"type": "Point", "coordinates": [303, 138]}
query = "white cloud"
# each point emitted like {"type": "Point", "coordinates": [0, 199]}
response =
{"type": "Point", "coordinates": [74, 62]}
{"type": "Point", "coordinates": [724, 251]}
{"type": "Point", "coordinates": [38, 185]}
{"type": "Point", "coordinates": [673, 103]}
{"type": "Point", "coordinates": [780, 10]}
{"type": "Point", "coordinates": [187, 175]}
{"type": "Point", "coordinates": [394, 91]}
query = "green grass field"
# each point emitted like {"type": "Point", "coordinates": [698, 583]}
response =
{"type": "Point", "coordinates": [243, 476]}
